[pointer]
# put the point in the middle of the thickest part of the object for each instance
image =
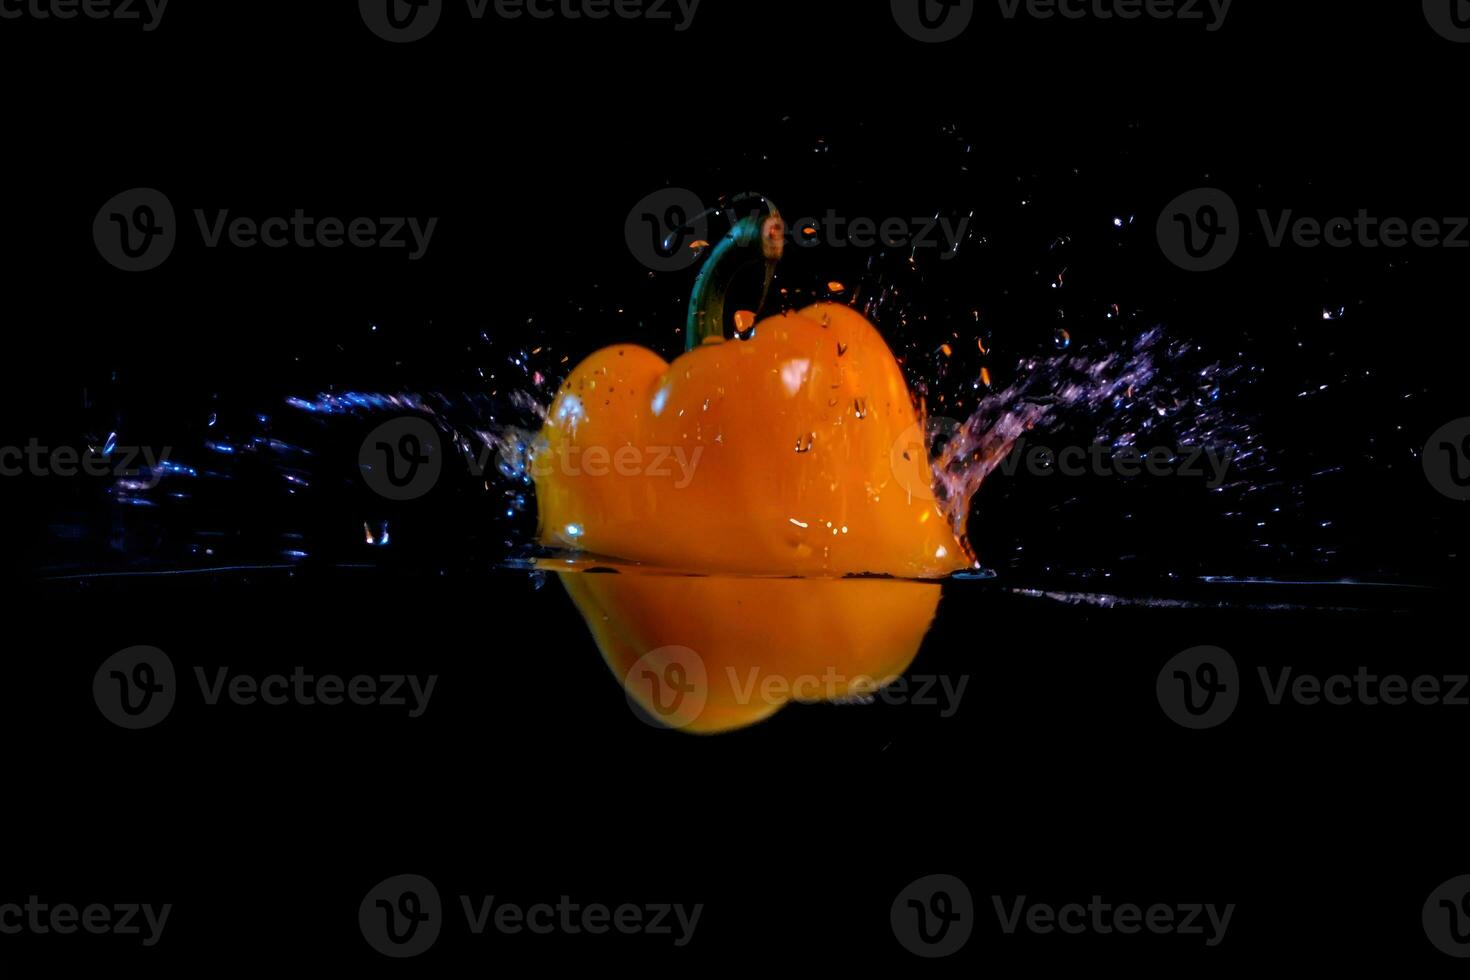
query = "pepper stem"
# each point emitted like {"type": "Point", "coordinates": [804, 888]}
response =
{"type": "Point", "coordinates": [754, 240]}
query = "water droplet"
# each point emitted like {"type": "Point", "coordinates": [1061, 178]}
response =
{"type": "Point", "coordinates": [376, 534]}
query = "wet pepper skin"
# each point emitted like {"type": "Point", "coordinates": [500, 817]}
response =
{"type": "Point", "coordinates": [802, 462]}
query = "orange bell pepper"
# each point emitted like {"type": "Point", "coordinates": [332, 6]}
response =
{"type": "Point", "coordinates": [762, 470]}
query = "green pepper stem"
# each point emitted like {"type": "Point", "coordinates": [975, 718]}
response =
{"type": "Point", "coordinates": [756, 239]}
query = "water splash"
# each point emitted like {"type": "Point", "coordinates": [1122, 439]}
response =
{"type": "Point", "coordinates": [1118, 396]}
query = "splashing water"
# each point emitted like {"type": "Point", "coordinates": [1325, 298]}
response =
{"type": "Point", "coordinates": [1115, 393]}
{"type": "Point", "coordinates": [1121, 395]}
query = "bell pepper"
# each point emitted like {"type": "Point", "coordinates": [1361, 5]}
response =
{"type": "Point", "coordinates": [801, 466]}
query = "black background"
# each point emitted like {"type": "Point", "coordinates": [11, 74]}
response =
{"type": "Point", "coordinates": [1059, 778]}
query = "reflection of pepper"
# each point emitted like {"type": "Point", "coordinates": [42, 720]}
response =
{"type": "Point", "coordinates": [772, 455]}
